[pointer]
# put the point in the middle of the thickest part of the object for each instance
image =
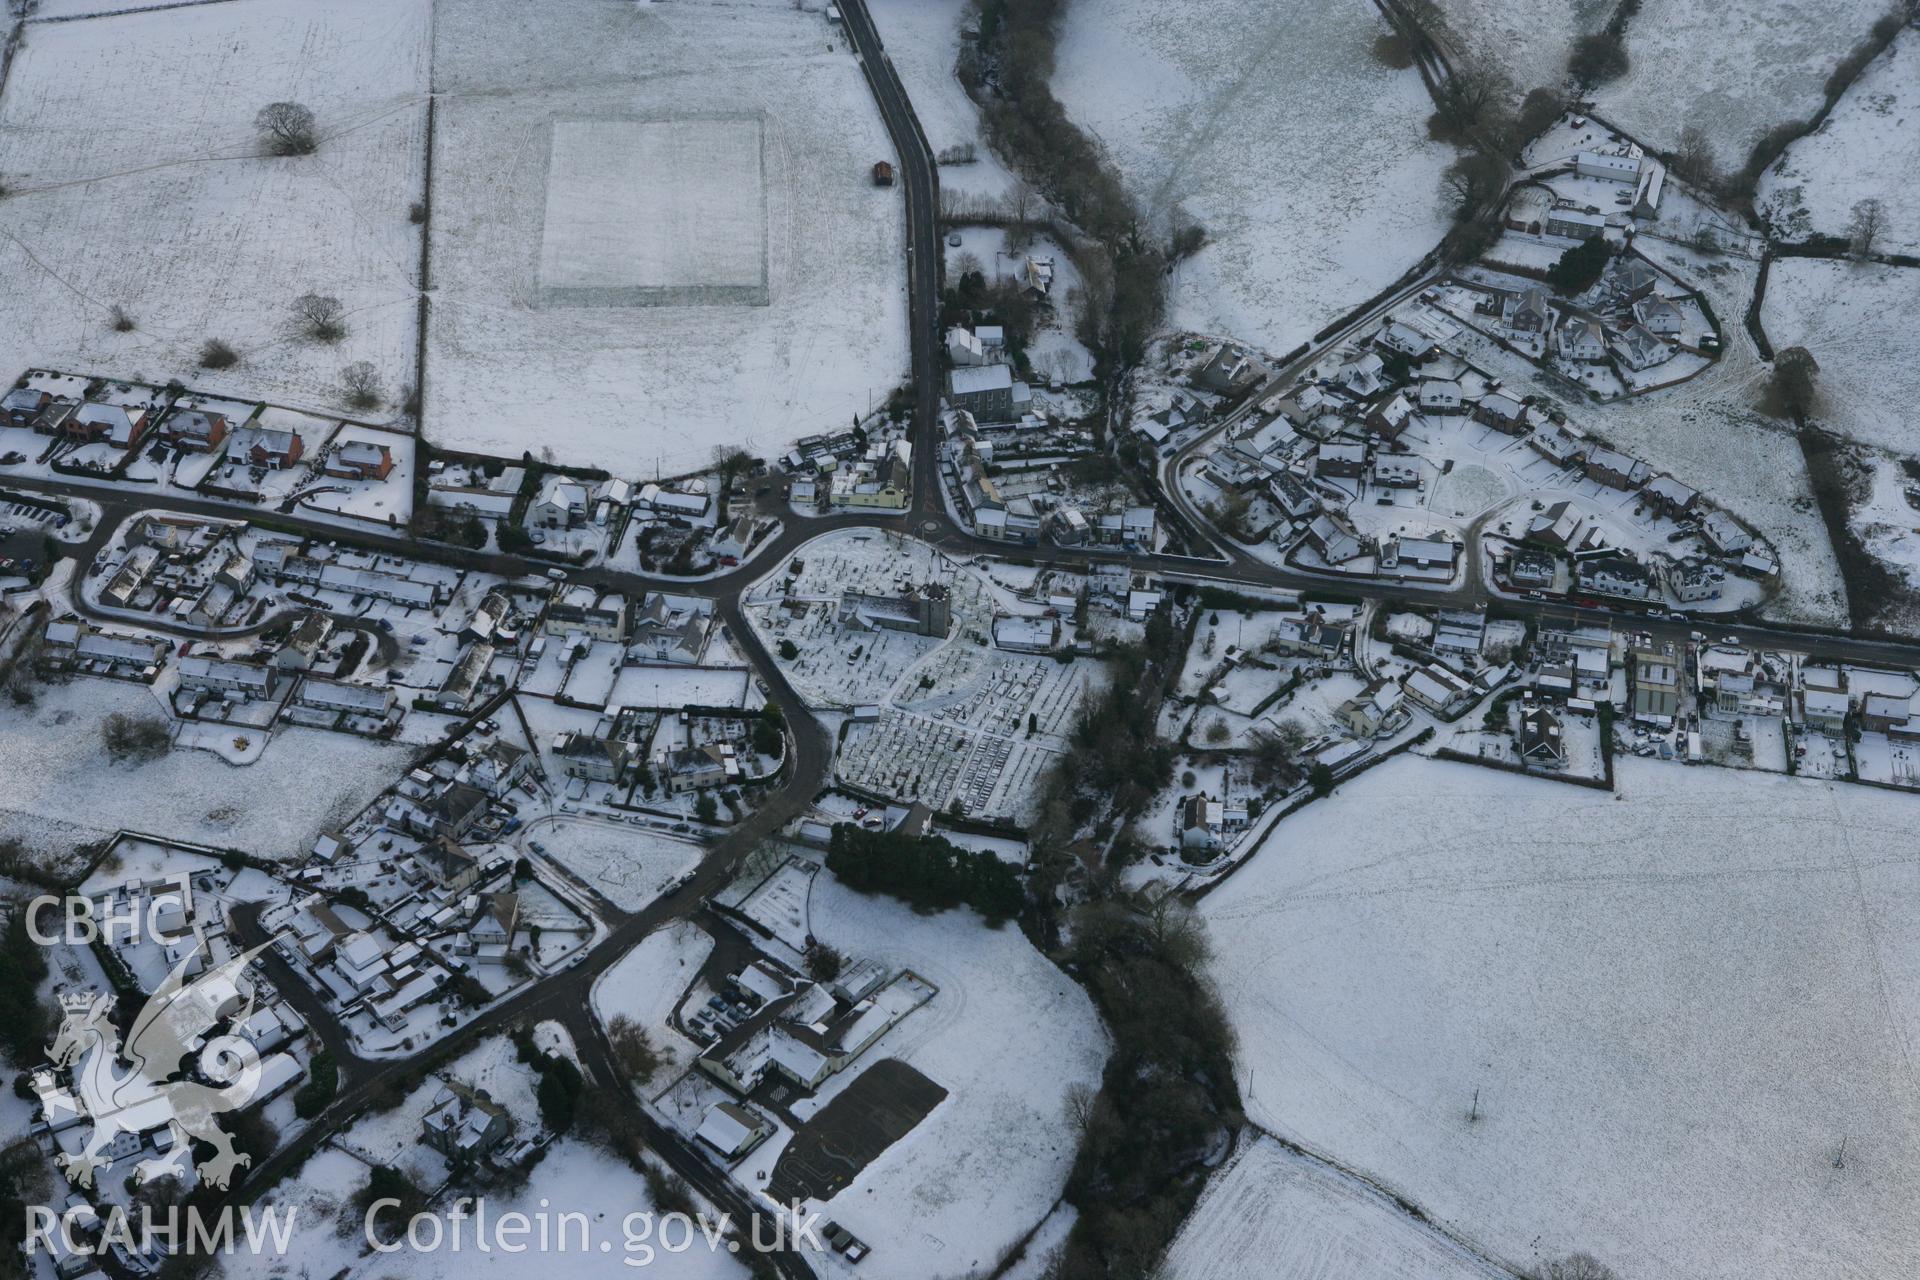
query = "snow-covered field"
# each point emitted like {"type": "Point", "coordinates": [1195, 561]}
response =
{"type": "Point", "coordinates": [1006, 1035]}
{"type": "Point", "coordinates": [135, 177]}
{"type": "Point", "coordinates": [1675, 1005]}
{"type": "Point", "coordinates": [631, 866]}
{"type": "Point", "coordinates": [922, 38]}
{"type": "Point", "coordinates": [1868, 146]}
{"type": "Point", "coordinates": [634, 387]}
{"type": "Point", "coordinates": [1274, 127]}
{"type": "Point", "coordinates": [1734, 70]}
{"type": "Point", "coordinates": [1856, 319]}
{"type": "Point", "coordinates": [62, 790]}
{"type": "Point", "coordinates": [1307, 1221]}
{"type": "Point", "coordinates": [645, 985]}
{"type": "Point", "coordinates": [1527, 40]}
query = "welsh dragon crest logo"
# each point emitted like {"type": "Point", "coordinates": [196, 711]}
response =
{"type": "Point", "coordinates": [159, 1078]}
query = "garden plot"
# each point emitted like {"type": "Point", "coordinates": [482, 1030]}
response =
{"type": "Point", "coordinates": [1734, 71]}
{"type": "Point", "coordinates": [135, 178]}
{"type": "Point", "coordinates": [646, 983]}
{"type": "Point", "coordinates": [1600, 970]}
{"type": "Point", "coordinates": [62, 790]}
{"type": "Point", "coordinates": [1851, 316]}
{"type": "Point", "coordinates": [1219, 109]}
{"type": "Point", "coordinates": [630, 866]}
{"type": "Point", "coordinates": [1007, 1035]}
{"type": "Point", "coordinates": [1306, 1220]}
{"type": "Point", "coordinates": [1869, 146]}
{"type": "Point", "coordinates": [698, 177]}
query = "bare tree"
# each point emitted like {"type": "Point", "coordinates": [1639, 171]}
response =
{"type": "Point", "coordinates": [1865, 228]}
{"type": "Point", "coordinates": [1473, 180]}
{"type": "Point", "coordinates": [1079, 1105]}
{"type": "Point", "coordinates": [120, 318]}
{"type": "Point", "coordinates": [289, 128]}
{"type": "Point", "coordinates": [1694, 160]}
{"type": "Point", "coordinates": [135, 738]}
{"type": "Point", "coordinates": [361, 384]}
{"type": "Point", "coordinates": [217, 353]}
{"type": "Point", "coordinates": [1795, 375]}
{"type": "Point", "coordinates": [320, 316]}
{"type": "Point", "coordinates": [1021, 203]}
{"type": "Point", "coordinates": [1578, 1266]}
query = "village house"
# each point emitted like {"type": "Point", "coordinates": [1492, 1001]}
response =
{"type": "Point", "coordinates": [733, 1130]}
{"type": "Point", "coordinates": [1669, 497]}
{"type": "Point", "coordinates": [1654, 673]}
{"type": "Point", "coordinates": [1375, 710]}
{"type": "Point", "coordinates": [1558, 445]}
{"type": "Point", "coordinates": [1341, 458]}
{"type": "Point", "coordinates": [266, 447]}
{"type": "Point", "coordinates": [218, 675]}
{"type": "Point", "coordinates": [1640, 349]}
{"type": "Point", "coordinates": [1406, 340]}
{"type": "Point", "coordinates": [1616, 470]}
{"type": "Point", "coordinates": [1695, 579]}
{"type": "Point", "coordinates": [195, 431]}
{"type": "Point", "coordinates": [561, 504]}
{"type": "Point", "coordinates": [987, 392]}
{"type": "Point", "coordinates": [1659, 316]}
{"type": "Point", "coordinates": [1391, 417]}
{"type": "Point", "coordinates": [1335, 539]}
{"type": "Point", "coordinates": [1436, 688]}
{"type": "Point", "coordinates": [1440, 395]}
{"type": "Point", "coordinates": [23, 406]}
{"type": "Point", "coordinates": [1229, 369]}
{"type": "Point", "coordinates": [1583, 340]}
{"type": "Point", "coordinates": [1608, 165]}
{"type": "Point", "coordinates": [1501, 412]}
{"type": "Point", "coordinates": [1824, 711]}
{"type": "Point", "coordinates": [1575, 224]}
{"type": "Point", "coordinates": [464, 1124]}
{"type": "Point", "coordinates": [1617, 576]}
{"type": "Point", "coordinates": [1530, 314]}
{"type": "Point", "coordinates": [360, 460]}
{"type": "Point", "coordinates": [1542, 739]}
{"type": "Point", "coordinates": [117, 425]}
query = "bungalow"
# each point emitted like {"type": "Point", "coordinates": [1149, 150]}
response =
{"type": "Point", "coordinates": [360, 460]}
{"type": "Point", "coordinates": [1583, 340]}
{"type": "Point", "coordinates": [1501, 412]}
{"type": "Point", "coordinates": [1308, 637]}
{"type": "Point", "coordinates": [1195, 833]}
{"type": "Point", "coordinates": [1542, 741]}
{"type": "Point", "coordinates": [1419, 553]}
{"type": "Point", "coordinates": [266, 447]}
{"type": "Point", "coordinates": [1659, 316]}
{"type": "Point", "coordinates": [673, 503]}
{"type": "Point", "coordinates": [1439, 395]}
{"type": "Point", "coordinates": [1435, 688]}
{"type": "Point", "coordinates": [1726, 534]}
{"type": "Point", "coordinates": [1616, 470]}
{"type": "Point", "coordinates": [1640, 349]}
{"type": "Point", "coordinates": [457, 691]}
{"type": "Point", "coordinates": [1883, 713]}
{"type": "Point", "coordinates": [732, 1130]}
{"type": "Point", "coordinates": [1406, 340]}
{"type": "Point", "coordinates": [195, 431]}
{"type": "Point", "coordinates": [1018, 634]}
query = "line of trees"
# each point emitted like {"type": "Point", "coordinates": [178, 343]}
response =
{"type": "Point", "coordinates": [929, 873]}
